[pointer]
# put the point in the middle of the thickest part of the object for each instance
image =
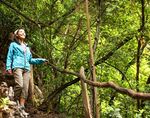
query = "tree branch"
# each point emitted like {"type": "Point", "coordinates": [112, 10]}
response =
{"type": "Point", "coordinates": [110, 53]}
{"type": "Point", "coordinates": [18, 12]}
{"type": "Point", "coordinates": [63, 70]}
{"type": "Point", "coordinates": [39, 24]}
{"type": "Point", "coordinates": [122, 73]}
{"type": "Point", "coordinates": [129, 92]}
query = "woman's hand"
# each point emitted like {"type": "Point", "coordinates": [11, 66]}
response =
{"type": "Point", "coordinates": [46, 62]}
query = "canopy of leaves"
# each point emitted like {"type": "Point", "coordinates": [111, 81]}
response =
{"type": "Point", "coordinates": [57, 30]}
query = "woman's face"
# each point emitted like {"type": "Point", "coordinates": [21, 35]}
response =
{"type": "Point", "coordinates": [21, 34]}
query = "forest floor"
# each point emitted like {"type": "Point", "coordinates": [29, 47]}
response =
{"type": "Point", "coordinates": [10, 109]}
{"type": "Point", "coordinates": [35, 113]}
{"type": "Point", "coordinates": [29, 112]}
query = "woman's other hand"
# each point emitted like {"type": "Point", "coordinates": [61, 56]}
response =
{"type": "Point", "coordinates": [9, 72]}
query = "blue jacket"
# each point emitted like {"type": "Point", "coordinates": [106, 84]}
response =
{"type": "Point", "coordinates": [17, 57]}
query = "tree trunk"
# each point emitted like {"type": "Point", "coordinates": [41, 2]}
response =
{"type": "Point", "coordinates": [92, 66]}
{"type": "Point", "coordinates": [85, 95]}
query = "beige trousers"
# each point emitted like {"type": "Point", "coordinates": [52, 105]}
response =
{"type": "Point", "coordinates": [22, 78]}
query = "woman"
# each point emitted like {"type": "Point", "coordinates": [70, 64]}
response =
{"type": "Point", "coordinates": [18, 62]}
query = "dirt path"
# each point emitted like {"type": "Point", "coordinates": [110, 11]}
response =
{"type": "Point", "coordinates": [35, 113]}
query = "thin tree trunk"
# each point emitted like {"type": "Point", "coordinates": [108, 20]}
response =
{"type": "Point", "coordinates": [85, 95]}
{"type": "Point", "coordinates": [140, 45]}
{"type": "Point", "coordinates": [92, 66]}
{"type": "Point", "coordinates": [137, 72]}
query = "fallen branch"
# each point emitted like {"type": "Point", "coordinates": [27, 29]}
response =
{"type": "Point", "coordinates": [63, 70]}
{"type": "Point", "coordinates": [129, 92]}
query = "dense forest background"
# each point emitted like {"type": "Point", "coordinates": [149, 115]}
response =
{"type": "Point", "coordinates": [57, 30]}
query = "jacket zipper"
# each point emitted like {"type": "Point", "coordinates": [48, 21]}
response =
{"type": "Point", "coordinates": [24, 57]}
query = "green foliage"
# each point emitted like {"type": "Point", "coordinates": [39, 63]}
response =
{"type": "Point", "coordinates": [4, 102]}
{"type": "Point", "coordinates": [59, 34]}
